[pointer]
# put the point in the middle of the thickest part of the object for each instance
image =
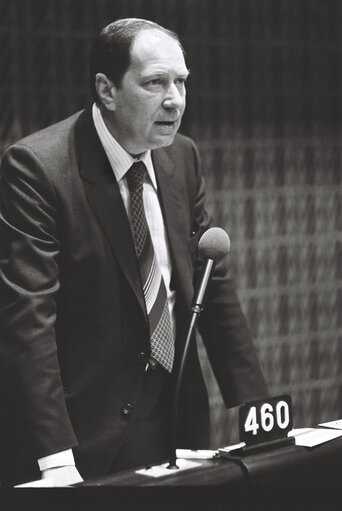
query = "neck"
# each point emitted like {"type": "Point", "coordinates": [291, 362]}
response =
{"type": "Point", "coordinates": [106, 116]}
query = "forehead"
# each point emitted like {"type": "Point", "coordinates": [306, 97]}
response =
{"type": "Point", "coordinates": [155, 50]}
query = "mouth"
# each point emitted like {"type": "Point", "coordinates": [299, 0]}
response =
{"type": "Point", "coordinates": [166, 123]}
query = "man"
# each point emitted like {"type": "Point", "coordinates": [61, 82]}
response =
{"type": "Point", "coordinates": [91, 337]}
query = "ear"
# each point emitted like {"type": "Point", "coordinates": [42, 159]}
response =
{"type": "Point", "coordinates": [106, 91]}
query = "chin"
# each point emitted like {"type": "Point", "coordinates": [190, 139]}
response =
{"type": "Point", "coordinates": [164, 142]}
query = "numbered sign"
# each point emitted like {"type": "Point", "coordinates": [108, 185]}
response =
{"type": "Point", "coordinates": [265, 420]}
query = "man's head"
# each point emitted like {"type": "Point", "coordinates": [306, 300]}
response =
{"type": "Point", "coordinates": [138, 75]}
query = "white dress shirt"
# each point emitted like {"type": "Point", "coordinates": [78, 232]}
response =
{"type": "Point", "coordinates": [121, 162]}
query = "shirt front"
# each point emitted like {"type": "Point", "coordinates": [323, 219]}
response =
{"type": "Point", "coordinates": [121, 162]}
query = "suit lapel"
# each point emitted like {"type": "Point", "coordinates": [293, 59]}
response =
{"type": "Point", "coordinates": [105, 199]}
{"type": "Point", "coordinates": [174, 213]}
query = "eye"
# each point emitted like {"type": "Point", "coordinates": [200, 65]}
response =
{"type": "Point", "coordinates": [180, 81]}
{"type": "Point", "coordinates": [155, 83]}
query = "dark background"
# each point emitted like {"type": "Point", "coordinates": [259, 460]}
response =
{"type": "Point", "coordinates": [264, 107]}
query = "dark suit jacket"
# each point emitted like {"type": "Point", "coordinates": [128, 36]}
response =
{"type": "Point", "coordinates": [74, 337]}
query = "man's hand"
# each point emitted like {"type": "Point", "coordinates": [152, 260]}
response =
{"type": "Point", "coordinates": [62, 476]}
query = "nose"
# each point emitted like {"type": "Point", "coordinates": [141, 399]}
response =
{"type": "Point", "coordinates": [174, 98]}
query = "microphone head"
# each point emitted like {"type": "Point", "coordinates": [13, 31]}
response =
{"type": "Point", "coordinates": [214, 244]}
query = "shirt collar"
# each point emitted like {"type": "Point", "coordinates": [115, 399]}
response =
{"type": "Point", "coordinates": [119, 159]}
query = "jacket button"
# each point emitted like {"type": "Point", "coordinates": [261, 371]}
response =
{"type": "Point", "coordinates": [127, 409]}
{"type": "Point", "coordinates": [142, 356]}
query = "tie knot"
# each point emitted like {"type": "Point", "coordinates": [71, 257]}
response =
{"type": "Point", "coordinates": [135, 176]}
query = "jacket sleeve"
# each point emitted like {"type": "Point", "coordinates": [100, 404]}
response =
{"type": "Point", "coordinates": [29, 253]}
{"type": "Point", "coordinates": [222, 324]}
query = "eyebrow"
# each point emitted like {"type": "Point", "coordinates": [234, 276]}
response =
{"type": "Point", "coordinates": [160, 73]}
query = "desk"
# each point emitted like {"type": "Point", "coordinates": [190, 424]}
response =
{"type": "Point", "coordinates": [286, 479]}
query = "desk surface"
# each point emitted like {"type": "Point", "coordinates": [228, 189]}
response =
{"type": "Point", "coordinates": [286, 479]}
{"type": "Point", "coordinates": [208, 473]}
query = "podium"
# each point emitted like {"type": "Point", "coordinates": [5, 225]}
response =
{"type": "Point", "coordinates": [290, 478]}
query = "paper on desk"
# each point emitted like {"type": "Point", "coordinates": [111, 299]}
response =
{"type": "Point", "coordinates": [162, 470]}
{"type": "Point", "coordinates": [332, 424]}
{"type": "Point", "coordinates": [40, 483]}
{"type": "Point", "coordinates": [201, 454]}
{"type": "Point", "coordinates": [232, 447]}
{"type": "Point", "coordinates": [310, 437]}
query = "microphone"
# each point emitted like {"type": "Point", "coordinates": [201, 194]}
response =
{"type": "Point", "coordinates": [213, 246]}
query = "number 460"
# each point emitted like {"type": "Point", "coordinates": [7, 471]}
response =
{"type": "Point", "coordinates": [282, 417]}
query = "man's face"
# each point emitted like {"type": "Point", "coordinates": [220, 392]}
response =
{"type": "Point", "coordinates": [150, 101]}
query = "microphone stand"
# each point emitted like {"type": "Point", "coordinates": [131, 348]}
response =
{"type": "Point", "coordinates": [196, 309]}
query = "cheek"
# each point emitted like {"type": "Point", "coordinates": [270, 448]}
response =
{"type": "Point", "coordinates": [183, 105]}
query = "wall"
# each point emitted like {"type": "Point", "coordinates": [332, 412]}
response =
{"type": "Point", "coordinates": [264, 106]}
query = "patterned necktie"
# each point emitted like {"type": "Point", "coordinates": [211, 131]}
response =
{"type": "Point", "coordinates": [161, 338]}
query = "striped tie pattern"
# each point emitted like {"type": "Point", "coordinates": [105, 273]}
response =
{"type": "Point", "coordinates": [161, 337]}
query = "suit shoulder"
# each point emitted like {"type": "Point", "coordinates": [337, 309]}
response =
{"type": "Point", "coordinates": [49, 140]}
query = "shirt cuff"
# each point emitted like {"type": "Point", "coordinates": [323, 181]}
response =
{"type": "Point", "coordinates": [59, 459]}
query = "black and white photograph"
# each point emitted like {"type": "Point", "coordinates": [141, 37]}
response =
{"type": "Point", "coordinates": [170, 255]}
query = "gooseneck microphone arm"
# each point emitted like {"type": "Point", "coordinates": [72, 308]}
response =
{"type": "Point", "coordinates": [197, 306]}
{"type": "Point", "coordinates": [213, 246]}
{"type": "Point", "coordinates": [196, 311]}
